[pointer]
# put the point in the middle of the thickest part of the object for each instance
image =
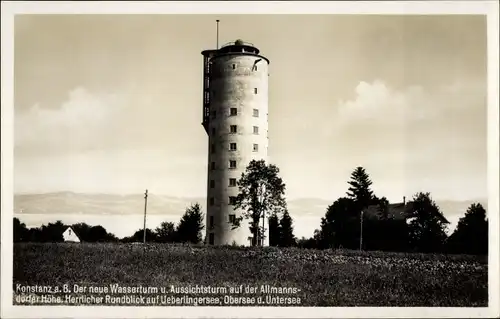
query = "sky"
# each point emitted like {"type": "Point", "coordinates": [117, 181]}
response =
{"type": "Point", "coordinates": [112, 104]}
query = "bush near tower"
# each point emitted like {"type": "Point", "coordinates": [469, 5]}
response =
{"type": "Point", "coordinates": [261, 191]}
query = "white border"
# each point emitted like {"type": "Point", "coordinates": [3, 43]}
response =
{"type": "Point", "coordinates": [490, 8]}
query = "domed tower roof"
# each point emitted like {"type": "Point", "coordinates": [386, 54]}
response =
{"type": "Point", "coordinates": [238, 46]}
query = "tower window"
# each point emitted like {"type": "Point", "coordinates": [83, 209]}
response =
{"type": "Point", "coordinates": [256, 130]}
{"type": "Point", "coordinates": [256, 147]}
{"type": "Point", "coordinates": [232, 164]}
{"type": "Point", "coordinates": [211, 238]}
{"type": "Point", "coordinates": [255, 113]}
{"type": "Point", "coordinates": [212, 148]}
{"type": "Point", "coordinates": [234, 66]}
{"type": "Point", "coordinates": [211, 222]}
{"type": "Point", "coordinates": [234, 128]}
{"type": "Point", "coordinates": [234, 111]}
{"type": "Point", "coordinates": [212, 183]}
{"type": "Point", "coordinates": [255, 90]}
{"type": "Point", "coordinates": [212, 166]}
{"type": "Point", "coordinates": [212, 201]}
{"type": "Point", "coordinates": [232, 146]}
{"type": "Point", "coordinates": [232, 200]}
{"type": "Point", "coordinates": [232, 218]}
{"type": "Point", "coordinates": [232, 182]}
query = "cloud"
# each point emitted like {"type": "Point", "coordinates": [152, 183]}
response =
{"type": "Point", "coordinates": [387, 116]}
{"type": "Point", "coordinates": [425, 138]}
{"type": "Point", "coordinates": [78, 123]}
{"type": "Point", "coordinates": [107, 142]}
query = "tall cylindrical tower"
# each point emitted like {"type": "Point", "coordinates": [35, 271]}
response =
{"type": "Point", "coordinates": [235, 117]}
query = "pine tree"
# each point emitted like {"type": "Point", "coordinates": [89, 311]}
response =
{"type": "Point", "coordinates": [287, 238]}
{"type": "Point", "coordinates": [359, 189]}
{"type": "Point", "coordinates": [191, 225]}
{"type": "Point", "coordinates": [274, 230]}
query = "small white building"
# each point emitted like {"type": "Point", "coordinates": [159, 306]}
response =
{"type": "Point", "coordinates": [70, 236]}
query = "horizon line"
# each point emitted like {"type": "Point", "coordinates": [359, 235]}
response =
{"type": "Point", "coordinates": [294, 198]}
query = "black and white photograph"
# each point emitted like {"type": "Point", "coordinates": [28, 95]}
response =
{"type": "Point", "coordinates": [223, 159]}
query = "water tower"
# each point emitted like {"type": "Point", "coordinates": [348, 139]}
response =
{"type": "Point", "coordinates": [235, 118]}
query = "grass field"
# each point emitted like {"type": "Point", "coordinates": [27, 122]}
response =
{"type": "Point", "coordinates": [325, 278]}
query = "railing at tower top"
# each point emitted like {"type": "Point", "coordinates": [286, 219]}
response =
{"type": "Point", "coordinates": [238, 46]}
{"type": "Point", "coordinates": [237, 42]}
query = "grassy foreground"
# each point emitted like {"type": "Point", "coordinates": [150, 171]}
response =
{"type": "Point", "coordinates": [325, 278]}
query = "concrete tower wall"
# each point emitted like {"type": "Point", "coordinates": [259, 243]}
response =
{"type": "Point", "coordinates": [237, 81]}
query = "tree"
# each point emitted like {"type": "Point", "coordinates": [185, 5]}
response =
{"type": "Point", "coordinates": [310, 243]}
{"type": "Point", "coordinates": [97, 234]}
{"type": "Point", "coordinates": [138, 236]}
{"type": "Point", "coordinates": [383, 208]}
{"type": "Point", "coordinates": [35, 235]}
{"type": "Point", "coordinates": [471, 234]}
{"type": "Point", "coordinates": [261, 191]}
{"type": "Point", "coordinates": [359, 189]}
{"type": "Point", "coordinates": [274, 230]}
{"type": "Point", "coordinates": [287, 238]}
{"type": "Point", "coordinates": [382, 231]}
{"type": "Point", "coordinates": [83, 231]}
{"type": "Point", "coordinates": [427, 230]}
{"type": "Point", "coordinates": [53, 232]}
{"type": "Point", "coordinates": [306, 243]}
{"type": "Point", "coordinates": [88, 233]}
{"type": "Point", "coordinates": [165, 233]}
{"type": "Point", "coordinates": [110, 237]}
{"type": "Point", "coordinates": [340, 226]}
{"type": "Point", "coordinates": [191, 225]}
{"type": "Point", "coordinates": [20, 231]}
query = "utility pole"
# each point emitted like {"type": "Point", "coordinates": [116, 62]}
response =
{"type": "Point", "coordinates": [263, 190]}
{"type": "Point", "coordinates": [361, 233]}
{"type": "Point", "coordinates": [217, 34]}
{"type": "Point", "coordinates": [263, 226]}
{"type": "Point", "coordinates": [145, 207]}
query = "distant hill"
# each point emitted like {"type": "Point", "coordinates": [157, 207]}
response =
{"type": "Point", "coordinates": [108, 209]}
{"type": "Point", "coordinates": [78, 203]}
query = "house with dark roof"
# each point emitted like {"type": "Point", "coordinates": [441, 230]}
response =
{"type": "Point", "coordinates": [397, 211]}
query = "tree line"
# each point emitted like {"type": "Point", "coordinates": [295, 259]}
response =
{"type": "Point", "coordinates": [188, 230]}
{"type": "Point", "coordinates": [359, 220]}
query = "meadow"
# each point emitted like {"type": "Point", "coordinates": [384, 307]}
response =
{"type": "Point", "coordinates": [324, 277]}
